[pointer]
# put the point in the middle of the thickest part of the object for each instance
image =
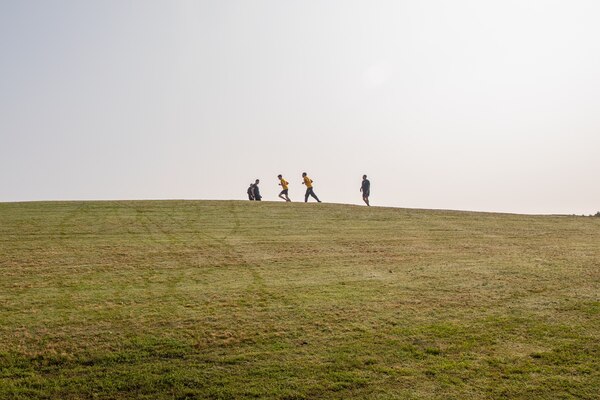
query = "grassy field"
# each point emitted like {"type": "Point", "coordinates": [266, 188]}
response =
{"type": "Point", "coordinates": [233, 300]}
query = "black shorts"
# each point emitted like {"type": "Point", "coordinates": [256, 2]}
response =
{"type": "Point", "coordinates": [366, 193]}
{"type": "Point", "coordinates": [284, 191]}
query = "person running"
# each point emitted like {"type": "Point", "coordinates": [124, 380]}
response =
{"type": "Point", "coordinates": [365, 188]}
{"type": "Point", "coordinates": [250, 192]}
{"type": "Point", "coordinates": [257, 195]}
{"type": "Point", "coordinates": [309, 188]}
{"type": "Point", "coordinates": [284, 185]}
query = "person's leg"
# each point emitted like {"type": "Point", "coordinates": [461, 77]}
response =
{"type": "Point", "coordinates": [366, 199]}
{"type": "Point", "coordinates": [308, 190]}
{"type": "Point", "coordinates": [281, 195]}
{"type": "Point", "coordinates": [312, 193]}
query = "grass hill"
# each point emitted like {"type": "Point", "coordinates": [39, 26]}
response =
{"type": "Point", "coordinates": [230, 299]}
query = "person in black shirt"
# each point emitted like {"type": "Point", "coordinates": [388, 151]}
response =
{"type": "Point", "coordinates": [257, 195]}
{"type": "Point", "coordinates": [365, 188]}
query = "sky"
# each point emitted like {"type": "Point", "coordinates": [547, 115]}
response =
{"type": "Point", "coordinates": [468, 105]}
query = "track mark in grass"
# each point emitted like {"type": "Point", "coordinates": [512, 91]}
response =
{"type": "Point", "coordinates": [591, 308]}
{"type": "Point", "coordinates": [433, 351]}
{"type": "Point", "coordinates": [236, 219]}
{"type": "Point", "coordinates": [369, 361]}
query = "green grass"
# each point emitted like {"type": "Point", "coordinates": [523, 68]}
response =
{"type": "Point", "coordinates": [233, 300]}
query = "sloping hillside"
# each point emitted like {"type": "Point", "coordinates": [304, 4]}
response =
{"type": "Point", "coordinates": [228, 299]}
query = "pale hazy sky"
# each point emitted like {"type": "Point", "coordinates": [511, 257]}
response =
{"type": "Point", "coordinates": [471, 105]}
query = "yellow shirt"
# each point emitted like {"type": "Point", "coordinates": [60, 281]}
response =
{"type": "Point", "coordinates": [308, 182]}
{"type": "Point", "coordinates": [284, 184]}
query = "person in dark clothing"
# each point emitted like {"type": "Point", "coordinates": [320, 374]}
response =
{"type": "Point", "coordinates": [257, 195]}
{"type": "Point", "coordinates": [365, 188]}
{"type": "Point", "coordinates": [250, 192]}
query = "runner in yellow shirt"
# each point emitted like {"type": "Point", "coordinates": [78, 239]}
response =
{"type": "Point", "coordinates": [284, 185]}
{"type": "Point", "coordinates": [309, 188]}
